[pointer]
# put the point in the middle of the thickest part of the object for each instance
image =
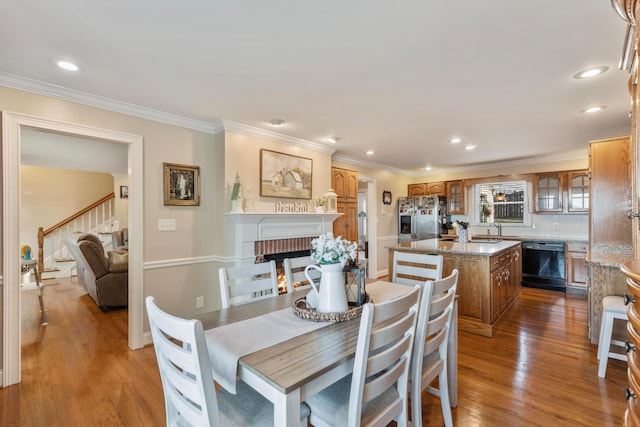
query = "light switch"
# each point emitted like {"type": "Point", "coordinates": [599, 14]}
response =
{"type": "Point", "coordinates": [167, 225]}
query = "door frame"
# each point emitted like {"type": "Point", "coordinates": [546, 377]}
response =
{"type": "Point", "coordinates": [12, 123]}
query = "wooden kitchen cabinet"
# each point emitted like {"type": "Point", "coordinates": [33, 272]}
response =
{"type": "Point", "coordinates": [427, 189]}
{"type": "Point", "coordinates": [455, 198]}
{"type": "Point", "coordinates": [417, 189]}
{"type": "Point", "coordinates": [577, 272]}
{"type": "Point", "coordinates": [561, 192]}
{"type": "Point", "coordinates": [548, 191]}
{"type": "Point", "coordinates": [436, 189]}
{"type": "Point", "coordinates": [345, 183]}
{"type": "Point", "coordinates": [487, 286]}
{"type": "Point", "coordinates": [578, 191]}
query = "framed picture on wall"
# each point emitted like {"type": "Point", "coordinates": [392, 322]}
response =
{"type": "Point", "coordinates": [124, 191]}
{"type": "Point", "coordinates": [181, 185]}
{"type": "Point", "coordinates": [285, 175]}
{"type": "Point", "coordinates": [386, 197]}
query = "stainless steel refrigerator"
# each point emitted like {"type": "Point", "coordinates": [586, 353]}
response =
{"type": "Point", "coordinates": [420, 217]}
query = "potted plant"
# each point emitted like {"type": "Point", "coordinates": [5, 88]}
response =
{"type": "Point", "coordinates": [320, 204]}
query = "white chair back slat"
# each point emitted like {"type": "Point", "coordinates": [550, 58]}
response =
{"type": "Point", "coordinates": [414, 268]}
{"type": "Point", "coordinates": [294, 273]}
{"type": "Point", "coordinates": [246, 283]}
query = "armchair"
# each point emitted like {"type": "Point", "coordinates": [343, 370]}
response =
{"type": "Point", "coordinates": [106, 278]}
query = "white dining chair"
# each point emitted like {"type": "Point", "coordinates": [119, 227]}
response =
{"type": "Point", "coordinates": [414, 269]}
{"type": "Point", "coordinates": [245, 283]}
{"type": "Point", "coordinates": [376, 393]}
{"type": "Point", "coordinates": [294, 273]}
{"type": "Point", "coordinates": [185, 370]}
{"type": "Point", "coordinates": [429, 357]}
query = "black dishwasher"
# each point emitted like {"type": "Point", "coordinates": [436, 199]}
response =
{"type": "Point", "coordinates": [543, 265]}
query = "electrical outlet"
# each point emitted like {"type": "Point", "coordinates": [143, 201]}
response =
{"type": "Point", "coordinates": [166, 225]}
{"type": "Point", "coordinates": [556, 226]}
{"type": "Point", "coordinates": [199, 302]}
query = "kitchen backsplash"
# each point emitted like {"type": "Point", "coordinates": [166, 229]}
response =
{"type": "Point", "coordinates": [543, 226]}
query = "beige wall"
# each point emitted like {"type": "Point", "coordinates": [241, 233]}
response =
{"type": "Point", "coordinates": [121, 206]}
{"type": "Point", "coordinates": [47, 196]}
{"type": "Point", "coordinates": [174, 287]}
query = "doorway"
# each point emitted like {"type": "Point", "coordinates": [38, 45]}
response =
{"type": "Point", "coordinates": [12, 125]}
{"type": "Point", "coordinates": [367, 201]}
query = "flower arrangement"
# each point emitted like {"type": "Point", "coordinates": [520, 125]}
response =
{"type": "Point", "coordinates": [462, 224]}
{"type": "Point", "coordinates": [320, 201]}
{"type": "Point", "coordinates": [330, 250]}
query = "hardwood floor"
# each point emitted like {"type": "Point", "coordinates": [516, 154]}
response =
{"type": "Point", "coordinates": [539, 370]}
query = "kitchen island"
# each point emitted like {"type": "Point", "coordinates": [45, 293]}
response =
{"type": "Point", "coordinates": [490, 276]}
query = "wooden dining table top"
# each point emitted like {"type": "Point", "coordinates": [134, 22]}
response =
{"type": "Point", "coordinates": [287, 366]}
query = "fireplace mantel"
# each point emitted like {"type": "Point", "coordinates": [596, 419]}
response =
{"type": "Point", "coordinates": [256, 226]}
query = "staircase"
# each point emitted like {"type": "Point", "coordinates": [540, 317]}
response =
{"type": "Point", "coordinates": [54, 259]}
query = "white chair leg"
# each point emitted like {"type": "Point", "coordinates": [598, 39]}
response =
{"type": "Point", "coordinates": [605, 343]}
{"type": "Point", "coordinates": [416, 404]}
{"type": "Point", "coordinates": [444, 398]}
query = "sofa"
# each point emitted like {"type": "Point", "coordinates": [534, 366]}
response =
{"type": "Point", "coordinates": [104, 275]}
{"type": "Point", "coordinates": [120, 240]}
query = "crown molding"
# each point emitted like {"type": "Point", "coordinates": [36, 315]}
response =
{"type": "Point", "coordinates": [231, 126]}
{"type": "Point", "coordinates": [579, 154]}
{"type": "Point", "coordinates": [66, 94]}
{"type": "Point", "coordinates": [72, 95]}
{"type": "Point", "coordinates": [372, 165]}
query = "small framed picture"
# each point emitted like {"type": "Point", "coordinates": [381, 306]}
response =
{"type": "Point", "coordinates": [124, 191]}
{"type": "Point", "coordinates": [386, 197]}
{"type": "Point", "coordinates": [181, 185]}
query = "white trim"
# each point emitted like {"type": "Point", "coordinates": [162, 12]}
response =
{"type": "Point", "coordinates": [11, 127]}
{"type": "Point", "coordinates": [167, 263]}
{"type": "Point", "coordinates": [228, 125]}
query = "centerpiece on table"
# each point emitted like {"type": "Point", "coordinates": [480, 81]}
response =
{"type": "Point", "coordinates": [332, 253]}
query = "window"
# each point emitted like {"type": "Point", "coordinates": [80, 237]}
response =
{"type": "Point", "coordinates": [502, 202]}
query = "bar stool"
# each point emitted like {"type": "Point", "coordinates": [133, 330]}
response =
{"type": "Point", "coordinates": [612, 308]}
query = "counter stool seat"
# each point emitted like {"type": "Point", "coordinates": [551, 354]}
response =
{"type": "Point", "coordinates": [613, 307]}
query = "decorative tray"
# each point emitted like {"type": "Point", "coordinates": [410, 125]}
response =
{"type": "Point", "coordinates": [303, 310]}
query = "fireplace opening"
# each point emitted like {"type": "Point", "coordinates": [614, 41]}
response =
{"type": "Point", "coordinates": [279, 258]}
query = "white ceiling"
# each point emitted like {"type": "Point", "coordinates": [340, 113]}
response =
{"type": "Point", "coordinates": [399, 78]}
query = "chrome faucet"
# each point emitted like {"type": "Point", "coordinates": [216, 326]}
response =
{"type": "Point", "coordinates": [497, 225]}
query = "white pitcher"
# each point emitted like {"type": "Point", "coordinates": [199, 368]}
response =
{"type": "Point", "coordinates": [332, 295]}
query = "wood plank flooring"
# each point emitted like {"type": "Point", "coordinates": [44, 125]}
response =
{"type": "Point", "coordinates": [539, 370]}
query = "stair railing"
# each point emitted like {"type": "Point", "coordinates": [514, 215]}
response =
{"type": "Point", "coordinates": [95, 218]}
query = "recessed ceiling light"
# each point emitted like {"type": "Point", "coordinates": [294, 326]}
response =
{"type": "Point", "coordinates": [590, 72]}
{"type": "Point", "coordinates": [332, 139]}
{"type": "Point", "coordinates": [470, 147]}
{"type": "Point", "coordinates": [594, 109]}
{"type": "Point", "coordinates": [277, 122]}
{"type": "Point", "coordinates": [66, 65]}
{"type": "Point", "coordinates": [455, 140]}
{"type": "Point", "coordinates": [370, 152]}
{"type": "Point", "coordinates": [428, 168]}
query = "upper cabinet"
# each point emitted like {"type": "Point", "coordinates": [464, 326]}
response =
{"type": "Point", "coordinates": [455, 198]}
{"type": "Point", "coordinates": [578, 191]}
{"type": "Point", "coordinates": [561, 192]}
{"type": "Point", "coordinates": [417, 190]}
{"type": "Point", "coordinates": [548, 190]}
{"type": "Point", "coordinates": [427, 189]}
{"type": "Point", "coordinates": [345, 183]}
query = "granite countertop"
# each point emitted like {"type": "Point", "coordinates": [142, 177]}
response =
{"type": "Point", "coordinates": [445, 246]}
{"type": "Point", "coordinates": [533, 238]}
{"type": "Point", "coordinates": [609, 256]}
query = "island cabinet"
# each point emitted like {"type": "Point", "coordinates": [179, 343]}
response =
{"type": "Point", "coordinates": [488, 283]}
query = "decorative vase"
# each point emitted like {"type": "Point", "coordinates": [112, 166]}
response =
{"type": "Point", "coordinates": [320, 209]}
{"type": "Point", "coordinates": [463, 235]}
{"type": "Point", "coordinates": [332, 295]}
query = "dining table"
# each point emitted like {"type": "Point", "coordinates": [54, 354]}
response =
{"type": "Point", "coordinates": [289, 365]}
